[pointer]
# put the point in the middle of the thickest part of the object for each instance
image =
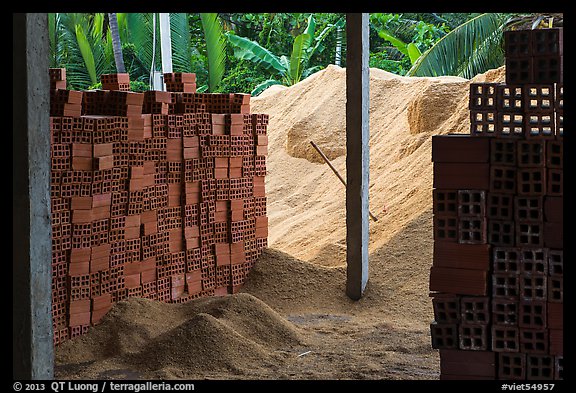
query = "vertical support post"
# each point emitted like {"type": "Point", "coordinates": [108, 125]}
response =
{"type": "Point", "coordinates": [357, 153]}
{"type": "Point", "coordinates": [165, 42]}
{"type": "Point", "coordinates": [32, 332]}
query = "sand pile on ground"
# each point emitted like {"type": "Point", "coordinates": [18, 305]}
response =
{"type": "Point", "coordinates": [398, 276]}
{"type": "Point", "coordinates": [203, 338]}
{"type": "Point", "coordinates": [306, 203]}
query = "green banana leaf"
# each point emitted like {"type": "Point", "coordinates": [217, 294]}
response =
{"type": "Point", "coordinates": [297, 58]}
{"type": "Point", "coordinates": [263, 86]}
{"type": "Point", "coordinates": [310, 30]}
{"type": "Point", "coordinates": [318, 46]}
{"type": "Point", "coordinates": [249, 50]}
{"type": "Point", "coordinates": [398, 43]}
{"type": "Point", "coordinates": [413, 52]}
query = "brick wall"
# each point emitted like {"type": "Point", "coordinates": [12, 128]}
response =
{"type": "Point", "coordinates": [158, 195]}
{"type": "Point", "coordinates": [497, 277]}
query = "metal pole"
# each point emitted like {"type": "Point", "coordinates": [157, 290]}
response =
{"type": "Point", "coordinates": [165, 43]}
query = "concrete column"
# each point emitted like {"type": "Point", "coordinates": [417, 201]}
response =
{"type": "Point", "coordinates": [32, 334]}
{"type": "Point", "coordinates": [357, 153]}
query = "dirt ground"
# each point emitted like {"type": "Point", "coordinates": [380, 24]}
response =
{"type": "Point", "coordinates": [292, 319]}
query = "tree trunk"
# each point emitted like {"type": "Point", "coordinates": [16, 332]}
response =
{"type": "Point", "coordinates": [116, 44]}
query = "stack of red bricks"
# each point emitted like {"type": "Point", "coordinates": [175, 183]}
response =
{"type": "Point", "coordinates": [63, 102]}
{"type": "Point", "coordinates": [497, 277]}
{"type": "Point", "coordinates": [180, 82]}
{"type": "Point", "coordinates": [120, 82]}
{"type": "Point", "coordinates": [57, 78]}
{"type": "Point", "coordinates": [149, 204]}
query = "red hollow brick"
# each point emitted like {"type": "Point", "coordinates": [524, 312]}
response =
{"type": "Point", "coordinates": [505, 338]}
{"type": "Point", "coordinates": [468, 363]}
{"type": "Point", "coordinates": [459, 356]}
{"type": "Point", "coordinates": [463, 256]}
{"type": "Point", "coordinates": [80, 268]}
{"type": "Point", "coordinates": [503, 152]}
{"type": "Point", "coordinates": [556, 342]}
{"type": "Point", "coordinates": [449, 175]}
{"type": "Point", "coordinates": [104, 162]}
{"type": "Point", "coordinates": [473, 337]}
{"type": "Point", "coordinates": [445, 228]}
{"type": "Point", "coordinates": [132, 280]}
{"type": "Point", "coordinates": [80, 255]}
{"type": "Point", "coordinates": [99, 264]}
{"type": "Point", "coordinates": [505, 311]}
{"type": "Point", "coordinates": [79, 319]}
{"type": "Point", "coordinates": [444, 336]}
{"type": "Point", "coordinates": [102, 149]}
{"type": "Point", "coordinates": [539, 367]}
{"type": "Point", "coordinates": [79, 306]}
{"type": "Point", "coordinates": [102, 200]}
{"type": "Point", "coordinates": [553, 209]}
{"type": "Point", "coordinates": [446, 308]}
{"type": "Point", "coordinates": [459, 281]}
{"type": "Point", "coordinates": [82, 163]}
{"type": "Point", "coordinates": [534, 341]}
{"type": "Point", "coordinates": [82, 150]}
{"type": "Point", "coordinates": [511, 366]}
{"type": "Point", "coordinates": [475, 310]}
{"type": "Point", "coordinates": [147, 276]}
{"type": "Point", "coordinates": [460, 148]}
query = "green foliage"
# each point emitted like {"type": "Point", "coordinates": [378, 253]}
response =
{"type": "Point", "coordinates": [382, 61]}
{"type": "Point", "coordinates": [82, 46]}
{"type": "Point", "coordinates": [261, 49]}
{"type": "Point", "coordinates": [180, 42]}
{"type": "Point", "coordinates": [246, 49]}
{"type": "Point", "coordinates": [215, 49]}
{"type": "Point", "coordinates": [139, 86]}
{"type": "Point", "coordinates": [241, 77]}
{"type": "Point", "coordinates": [139, 31]}
{"type": "Point", "coordinates": [134, 65]}
{"type": "Point", "coordinates": [409, 37]}
{"type": "Point", "coordinates": [292, 69]}
{"type": "Point", "coordinates": [473, 47]}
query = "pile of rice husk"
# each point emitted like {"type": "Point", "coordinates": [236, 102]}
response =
{"type": "Point", "coordinates": [306, 202]}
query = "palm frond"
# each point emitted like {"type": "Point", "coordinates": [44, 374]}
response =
{"type": "Point", "coordinates": [55, 36]}
{"type": "Point", "coordinates": [215, 48]}
{"type": "Point", "coordinates": [466, 50]}
{"type": "Point", "coordinates": [140, 33]}
{"type": "Point", "coordinates": [87, 55]}
{"type": "Point", "coordinates": [122, 26]}
{"type": "Point", "coordinates": [309, 71]}
{"type": "Point", "coordinates": [180, 40]}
